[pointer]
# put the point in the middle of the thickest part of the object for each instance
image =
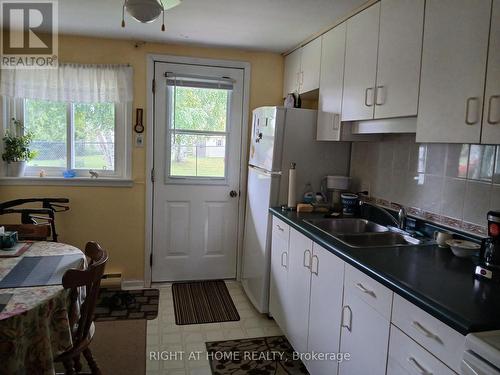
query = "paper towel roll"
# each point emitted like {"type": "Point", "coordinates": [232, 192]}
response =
{"type": "Point", "coordinates": [292, 192]}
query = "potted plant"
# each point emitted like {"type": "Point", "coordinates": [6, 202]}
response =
{"type": "Point", "coordinates": [16, 150]}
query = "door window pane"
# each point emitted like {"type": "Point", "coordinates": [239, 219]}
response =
{"type": "Point", "coordinates": [197, 155]}
{"type": "Point", "coordinates": [47, 121]}
{"type": "Point", "coordinates": [94, 136]}
{"type": "Point", "coordinates": [199, 109]}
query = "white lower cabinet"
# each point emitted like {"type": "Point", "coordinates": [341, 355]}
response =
{"type": "Point", "coordinates": [441, 340]}
{"type": "Point", "coordinates": [365, 336]}
{"type": "Point", "coordinates": [325, 309]}
{"type": "Point", "coordinates": [298, 290]}
{"type": "Point", "coordinates": [407, 357]}
{"type": "Point", "coordinates": [279, 272]}
{"type": "Point", "coordinates": [324, 305]}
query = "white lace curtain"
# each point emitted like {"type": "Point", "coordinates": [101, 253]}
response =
{"type": "Point", "coordinates": [70, 83]}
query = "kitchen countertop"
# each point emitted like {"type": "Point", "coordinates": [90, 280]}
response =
{"type": "Point", "coordinates": [428, 276]}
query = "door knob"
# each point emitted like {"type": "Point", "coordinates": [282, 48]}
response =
{"type": "Point", "coordinates": [233, 194]}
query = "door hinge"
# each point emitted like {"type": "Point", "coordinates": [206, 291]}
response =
{"type": "Point", "coordinates": [151, 260]}
{"type": "Point", "coordinates": [154, 85]}
{"type": "Point", "coordinates": [153, 175]}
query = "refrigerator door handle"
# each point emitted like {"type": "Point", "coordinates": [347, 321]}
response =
{"type": "Point", "coordinates": [265, 171]}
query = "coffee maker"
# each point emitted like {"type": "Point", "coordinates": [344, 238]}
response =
{"type": "Point", "coordinates": [489, 266]}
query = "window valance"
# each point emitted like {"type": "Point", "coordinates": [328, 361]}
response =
{"type": "Point", "coordinates": [81, 83]}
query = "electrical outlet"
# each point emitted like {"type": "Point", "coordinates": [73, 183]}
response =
{"type": "Point", "coordinates": [365, 186]}
{"type": "Point", "coordinates": [139, 140]}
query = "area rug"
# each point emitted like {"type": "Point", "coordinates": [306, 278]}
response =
{"type": "Point", "coordinates": [117, 304]}
{"type": "Point", "coordinates": [263, 356]}
{"type": "Point", "coordinates": [203, 302]}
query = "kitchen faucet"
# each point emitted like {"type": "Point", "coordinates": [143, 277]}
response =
{"type": "Point", "coordinates": [400, 222]}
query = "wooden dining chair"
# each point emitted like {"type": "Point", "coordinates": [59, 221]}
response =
{"type": "Point", "coordinates": [82, 322]}
{"type": "Point", "coordinates": [30, 232]}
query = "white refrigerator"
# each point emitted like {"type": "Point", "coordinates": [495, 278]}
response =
{"type": "Point", "coordinates": [280, 137]}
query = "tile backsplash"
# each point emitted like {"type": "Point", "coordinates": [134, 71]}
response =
{"type": "Point", "coordinates": [456, 181]}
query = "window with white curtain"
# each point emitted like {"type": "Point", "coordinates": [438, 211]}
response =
{"type": "Point", "coordinates": [78, 114]}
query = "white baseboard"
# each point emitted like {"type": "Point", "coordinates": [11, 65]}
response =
{"type": "Point", "coordinates": [132, 284]}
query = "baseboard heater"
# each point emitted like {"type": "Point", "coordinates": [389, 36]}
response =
{"type": "Point", "coordinates": [111, 280]}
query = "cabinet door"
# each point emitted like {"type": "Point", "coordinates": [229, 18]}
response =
{"type": "Point", "coordinates": [453, 70]}
{"type": "Point", "coordinates": [299, 282]}
{"type": "Point", "coordinates": [365, 335]}
{"type": "Point", "coordinates": [491, 117]}
{"type": "Point", "coordinates": [361, 65]}
{"type": "Point", "coordinates": [279, 264]}
{"type": "Point", "coordinates": [331, 84]}
{"type": "Point", "coordinates": [310, 66]}
{"type": "Point", "coordinates": [292, 72]}
{"type": "Point", "coordinates": [327, 285]}
{"type": "Point", "coordinates": [399, 56]}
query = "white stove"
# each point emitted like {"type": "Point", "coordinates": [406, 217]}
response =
{"type": "Point", "coordinates": [482, 354]}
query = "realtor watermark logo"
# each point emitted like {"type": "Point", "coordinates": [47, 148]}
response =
{"type": "Point", "coordinates": [29, 37]}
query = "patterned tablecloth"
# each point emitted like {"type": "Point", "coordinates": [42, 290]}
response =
{"type": "Point", "coordinates": [34, 326]}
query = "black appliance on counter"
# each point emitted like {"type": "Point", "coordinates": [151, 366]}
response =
{"type": "Point", "coordinates": [489, 266]}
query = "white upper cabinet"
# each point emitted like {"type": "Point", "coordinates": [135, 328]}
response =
{"type": "Point", "coordinates": [399, 57]}
{"type": "Point", "coordinates": [382, 62]}
{"type": "Point", "coordinates": [302, 68]}
{"type": "Point", "coordinates": [361, 65]}
{"type": "Point", "coordinates": [454, 57]}
{"type": "Point", "coordinates": [491, 116]}
{"type": "Point", "coordinates": [292, 73]}
{"type": "Point", "coordinates": [310, 66]}
{"type": "Point", "coordinates": [331, 84]}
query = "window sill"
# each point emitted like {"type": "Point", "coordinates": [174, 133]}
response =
{"type": "Point", "coordinates": [59, 181]}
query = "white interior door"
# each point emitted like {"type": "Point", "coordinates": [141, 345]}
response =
{"type": "Point", "coordinates": [197, 151]}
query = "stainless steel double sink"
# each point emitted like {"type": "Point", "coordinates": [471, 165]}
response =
{"type": "Point", "coordinates": [362, 233]}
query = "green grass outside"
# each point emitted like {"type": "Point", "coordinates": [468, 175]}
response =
{"type": "Point", "coordinates": [85, 162]}
{"type": "Point", "coordinates": [207, 167]}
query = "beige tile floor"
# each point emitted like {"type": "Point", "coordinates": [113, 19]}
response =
{"type": "Point", "coordinates": [163, 335]}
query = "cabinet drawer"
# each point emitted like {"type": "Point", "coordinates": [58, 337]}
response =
{"type": "Point", "coordinates": [435, 336]}
{"type": "Point", "coordinates": [280, 229]}
{"type": "Point", "coordinates": [372, 292]}
{"type": "Point", "coordinates": [406, 354]}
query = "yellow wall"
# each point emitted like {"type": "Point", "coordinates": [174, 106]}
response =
{"type": "Point", "coordinates": [115, 216]}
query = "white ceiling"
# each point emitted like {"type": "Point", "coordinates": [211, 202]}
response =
{"type": "Point", "coordinates": [271, 25]}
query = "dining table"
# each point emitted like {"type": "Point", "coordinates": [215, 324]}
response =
{"type": "Point", "coordinates": [34, 307]}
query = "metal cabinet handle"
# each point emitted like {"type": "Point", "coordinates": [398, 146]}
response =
{"type": "Point", "coordinates": [377, 96]}
{"type": "Point", "coordinates": [284, 264]}
{"type": "Point", "coordinates": [424, 331]}
{"type": "Point", "coordinates": [467, 110]}
{"type": "Point", "coordinates": [490, 105]}
{"type": "Point", "coordinates": [347, 326]}
{"type": "Point", "coordinates": [365, 290]}
{"type": "Point", "coordinates": [307, 258]}
{"type": "Point", "coordinates": [313, 270]}
{"type": "Point", "coordinates": [279, 228]}
{"type": "Point", "coordinates": [366, 96]}
{"type": "Point", "coordinates": [420, 369]}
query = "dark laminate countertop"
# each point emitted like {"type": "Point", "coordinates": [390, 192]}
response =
{"type": "Point", "coordinates": [428, 276]}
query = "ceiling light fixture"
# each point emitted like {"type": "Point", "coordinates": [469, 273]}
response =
{"type": "Point", "coordinates": [147, 11]}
